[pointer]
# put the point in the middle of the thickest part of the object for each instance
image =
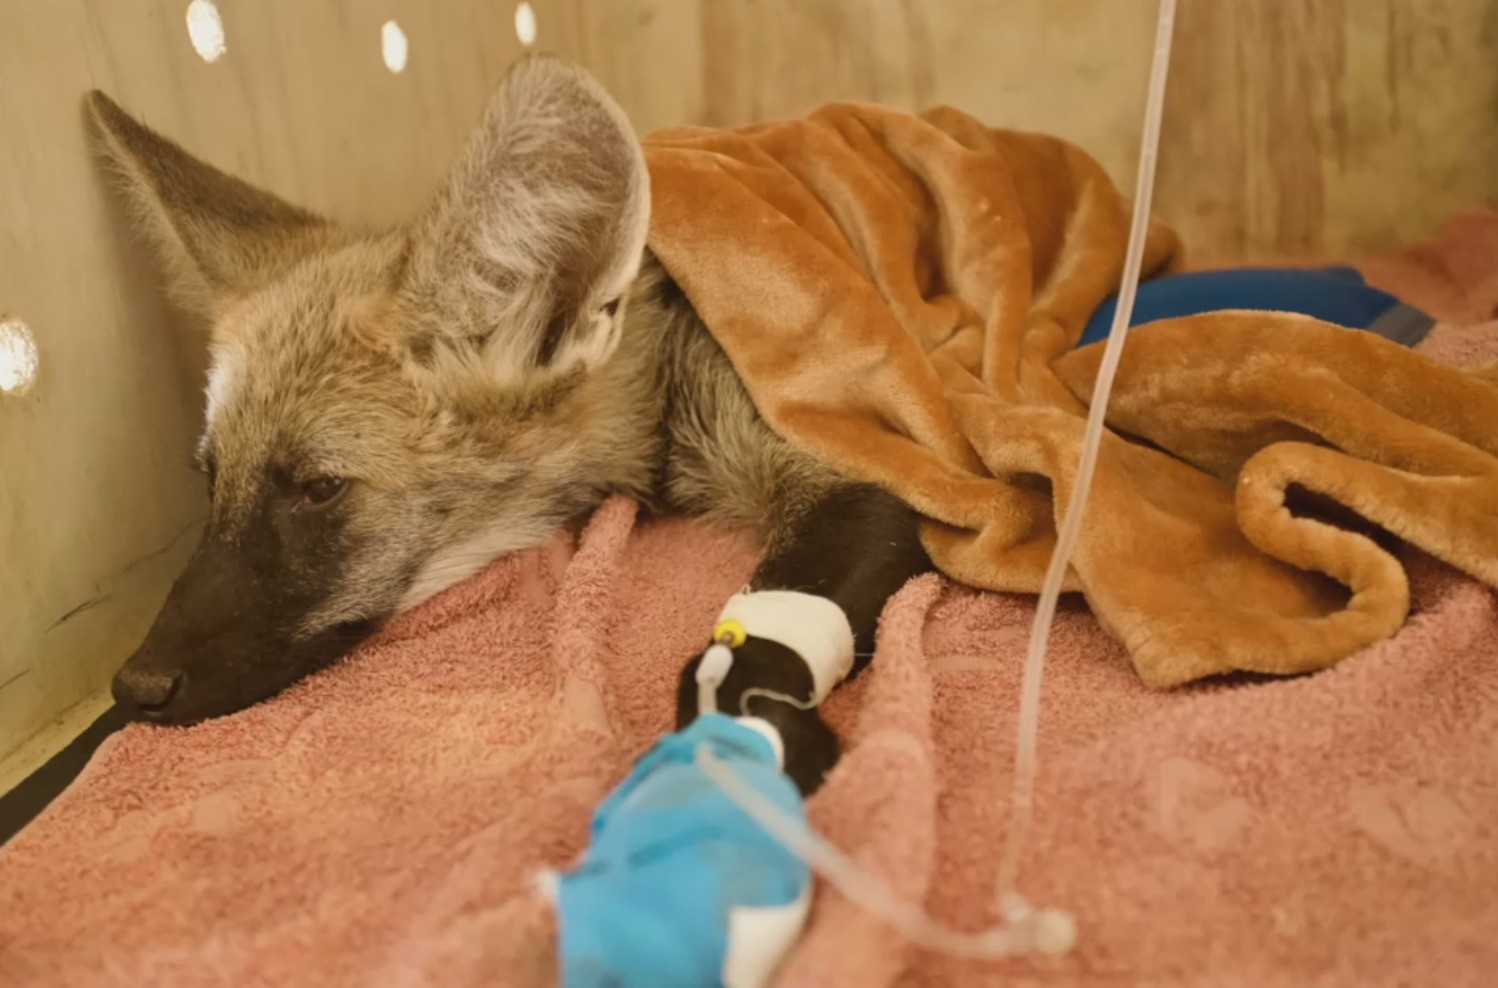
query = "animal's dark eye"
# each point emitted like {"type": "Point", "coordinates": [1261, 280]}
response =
{"type": "Point", "coordinates": [323, 491]}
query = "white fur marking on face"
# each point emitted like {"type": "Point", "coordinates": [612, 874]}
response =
{"type": "Point", "coordinates": [451, 566]}
{"type": "Point", "coordinates": [223, 378]}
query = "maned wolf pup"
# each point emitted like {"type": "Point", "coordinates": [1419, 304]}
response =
{"type": "Point", "coordinates": [389, 411]}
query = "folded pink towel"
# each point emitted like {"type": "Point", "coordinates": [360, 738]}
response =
{"type": "Point", "coordinates": [379, 824]}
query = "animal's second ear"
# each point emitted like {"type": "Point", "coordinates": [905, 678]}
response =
{"type": "Point", "coordinates": [536, 235]}
{"type": "Point", "coordinates": [219, 236]}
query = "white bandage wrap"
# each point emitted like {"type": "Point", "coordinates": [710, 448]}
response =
{"type": "Point", "coordinates": [813, 627]}
{"type": "Point", "coordinates": [770, 734]}
{"type": "Point", "coordinates": [759, 937]}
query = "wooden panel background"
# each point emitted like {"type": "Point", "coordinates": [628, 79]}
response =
{"type": "Point", "coordinates": [1293, 127]}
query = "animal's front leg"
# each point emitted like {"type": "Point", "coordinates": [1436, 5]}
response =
{"type": "Point", "coordinates": [806, 622]}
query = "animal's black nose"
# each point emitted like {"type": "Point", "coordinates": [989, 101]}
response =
{"type": "Point", "coordinates": [145, 690]}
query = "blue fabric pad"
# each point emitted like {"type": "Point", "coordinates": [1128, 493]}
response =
{"type": "Point", "coordinates": [1336, 295]}
{"type": "Point", "coordinates": [671, 857]}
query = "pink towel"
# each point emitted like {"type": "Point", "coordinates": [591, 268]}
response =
{"type": "Point", "coordinates": [379, 824]}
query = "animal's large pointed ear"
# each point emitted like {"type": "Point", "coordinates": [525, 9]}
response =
{"type": "Point", "coordinates": [523, 258]}
{"type": "Point", "coordinates": [219, 237]}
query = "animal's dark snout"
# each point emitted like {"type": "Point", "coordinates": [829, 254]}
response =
{"type": "Point", "coordinates": [229, 635]}
{"type": "Point", "coordinates": [145, 690]}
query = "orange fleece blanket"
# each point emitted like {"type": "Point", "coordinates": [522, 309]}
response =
{"type": "Point", "coordinates": [902, 296]}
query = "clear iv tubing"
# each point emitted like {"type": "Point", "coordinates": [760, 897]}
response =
{"type": "Point", "coordinates": [1045, 931]}
{"type": "Point", "coordinates": [1023, 930]}
{"type": "Point", "coordinates": [1022, 798]}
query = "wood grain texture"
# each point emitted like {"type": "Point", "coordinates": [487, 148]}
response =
{"type": "Point", "coordinates": [1327, 126]}
{"type": "Point", "coordinates": [1293, 127]}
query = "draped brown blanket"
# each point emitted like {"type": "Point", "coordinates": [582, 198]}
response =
{"type": "Point", "coordinates": [902, 296]}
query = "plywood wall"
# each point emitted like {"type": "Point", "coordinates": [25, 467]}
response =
{"type": "Point", "coordinates": [1293, 126]}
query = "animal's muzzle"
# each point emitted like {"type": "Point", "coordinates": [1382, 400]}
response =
{"type": "Point", "coordinates": [144, 692]}
{"type": "Point", "coordinates": [219, 644]}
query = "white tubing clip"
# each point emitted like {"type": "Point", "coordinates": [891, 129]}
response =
{"type": "Point", "coordinates": [711, 672]}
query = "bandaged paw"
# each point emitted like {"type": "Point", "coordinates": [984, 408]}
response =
{"type": "Point", "coordinates": [813, 627]}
